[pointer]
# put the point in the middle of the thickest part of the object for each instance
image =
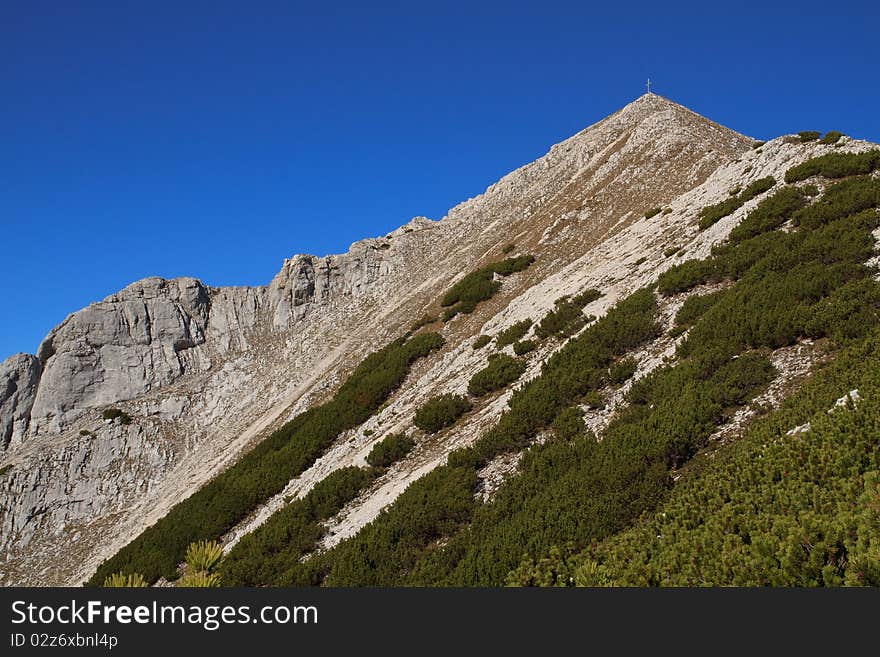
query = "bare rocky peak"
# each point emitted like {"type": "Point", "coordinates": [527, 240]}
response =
{"type": "Point", "coordinates": [206, 372]}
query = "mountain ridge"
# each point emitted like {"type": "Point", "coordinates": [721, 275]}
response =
{"type": "Point", "coordinates": [222, 352]}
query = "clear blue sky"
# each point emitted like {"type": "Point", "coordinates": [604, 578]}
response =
{"type": "Point", "coordinates": [214, 139]}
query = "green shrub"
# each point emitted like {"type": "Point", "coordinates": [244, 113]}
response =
{"type": "Point", "coordinates": [523, 347]}
{"type": "Point", "coordinates": [711, 214]}
{"type": "Point", "coordinates": [835, 165]}
{"type": "Point", "coordinates": [594, 400]}
{"type": "Point", "coordinates": [831, 137]}
{"type": "Point", "coordinates": [270, 552]}
{"type": "Point", "coordinates": [204, 555]}
{"type": "Point", "coordinates": [482, 341]}
{"type": "Point", "coordinates": [694, 307]}
{"type": "Point", "coordinates": [567, 317]}
{"type": "Point", "coordinates": [671, 251]}
{"type": "Point", "coordinates": [653, 212]}
{"type": "Point", "coordinates": [808, 135]}
{"type": "Point", "coordinates": [390, 449]}
{"type": "Point", "coordinates": [508, 248]}
{"type": "Point", "coordinates": [684, 276]}
{"type": "Point", "coordinates": [480, 285]}
{"type": "Point", "coordinates": [4, 469]}
{"type": "Point", "coordinates": [114, 414]}
{"type": "Point", "coordinates": [514, 333]}
{"type": "Point", "coordinates": [440, 412]}
{"type": "Point", "coordinates": [769, 214]}
{"type": "Point", "coordinates": [122, 580]}
{"type": "Point", "coordinates": [424, 321]}
{"type": "Point", "coordinates": [622, 370]}
{"type": "Point", "coordinates": [199, 580]}
{"type": "Point", "coordinates": [569, 423]}
{"type": "Point", "coordinates": [500, 372]}
{"type": "Point", "coordinates": [758, 144]}
{"type": "Point", "coordinates": [264, 471]}
{"type": "Point", "coordinates": [845, 198]}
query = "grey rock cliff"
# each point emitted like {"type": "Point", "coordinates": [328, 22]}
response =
{"type": "Point", "coordinates": [19, 376]}
{"type": "Point", "coordinates": [119, 348]}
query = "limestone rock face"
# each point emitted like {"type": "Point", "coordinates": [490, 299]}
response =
{"type": "Point", "coordinates": [19, 376]}
{"type": "Point", "coordinates": [119, 348]}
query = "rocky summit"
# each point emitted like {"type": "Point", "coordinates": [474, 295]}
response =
{"type": "Point", "coordinates": [169, 387]}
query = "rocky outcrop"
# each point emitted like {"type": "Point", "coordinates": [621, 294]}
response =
{"type": "Point", "coordinates": [119, 348]}
{"type": "Point", "coordinates": [19, 376]}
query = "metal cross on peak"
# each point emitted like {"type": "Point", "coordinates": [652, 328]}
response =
{"type": "Point", "coordinates": [649, 85]}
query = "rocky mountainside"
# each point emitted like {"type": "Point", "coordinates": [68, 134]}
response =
{"type": "Point", "coordinates": [135, 402]}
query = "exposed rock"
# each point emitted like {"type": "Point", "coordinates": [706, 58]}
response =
{"type": "Point", "coordinates": [19, 375]}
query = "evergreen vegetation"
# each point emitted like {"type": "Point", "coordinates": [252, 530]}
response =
{"type": "Point", "coordinates": [808, 135]}
{"type": "Point", "coordinates": [775, 508]}
{"type": "Point", "coordinates": [114, 414]}
{"type": "Point", "coordinates": [524, 347]}
{"type": "Point", "coordinates": [831, 137]}
{"type": "Point", "coordinates": [500, 372]}
{"type": "Point", "coordinates": [480, 285]}
{"type": "Point", "coordinates": [440, 412]}
{"type": "Point", "coordinates": [566, 318]}
{"type": "Point", "coordinates": [653, 212]}
{"type": "Point", "coordinates": [123, 581]}
{"type": "Point", "coordinates": [390, 449]}
{"type": "Point", "coordinates": [514, 333]}
{"type": "Point", "coordinates": [835, 165]}
{"type": "Point", "coordinates": [265, 555]}
{"type": "Point", "coordinates": [482, 341]}
{"type": "Point", "coordinates": [807, 283]}
{"type": "Point", "coordinates": [711, 214]}
{"type": "Point", "coordinates": [264, 471]}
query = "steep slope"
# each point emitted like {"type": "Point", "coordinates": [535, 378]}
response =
{"type": "Point", "coordinates": [206, 372]}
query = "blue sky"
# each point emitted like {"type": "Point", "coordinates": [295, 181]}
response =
{"type": "Point", "coordinates": [214, 139]}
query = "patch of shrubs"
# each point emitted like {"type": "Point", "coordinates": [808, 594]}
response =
{"type": "Point", "coordinates": [524, 347]}
{"type": "Point", "coordinates": [653, 212]}
{"type": "Point", "coordinates": [500, 372]}
{"type": "Point", "coordinates": [441, 412]}
{"type": "Point", "coordinates": [671, 251]}
{"type": "Point", "coordinates": [831, 137]}
{"type": "Point", "coordinates": [845, 198]}
{"type": "Point", "coordinates": [769, 214]}
{"type": "Point", "coordinates": [711, 214]}
{"type": "Point", "coordinates": [265, 470]}
{"type": "Point", "coordinates": [114, 414]}
{"type": "Point", "coordinates": [482, 341]}
{"type": "Point", "coordinates": [806, 283]}
{"type": "Point", "coordinates": [808, 135]}
{"type": "Point", "coordinates": [835, 165]}
{"type": "Point", "coordinates": [684, 276]}
{"type": "Point", "coordinates": [276, 547]}
{"type": "Point", "coordinates": [569, 423]}
{"type": "Point", "coordinates": [480, 285]}
{"type": "Point", "coordinates": [514, 333]}
{"type": "Point", "coordinates": [769, 509]}
{"type": "Point", "coordinates": [566, 318]}
{"type": "Point", "coordinates": [4, 469]}
{"type": "Point", "coordinates": [695, 307]}
{"type": "Point", "coordinates": [390, 450]}
{"type": "Point", "coordinates": [508, 248]}
{"type": "Point", "coordinates": [622, 370]}
{"type": "Point", "coordinates": [424, 321]}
